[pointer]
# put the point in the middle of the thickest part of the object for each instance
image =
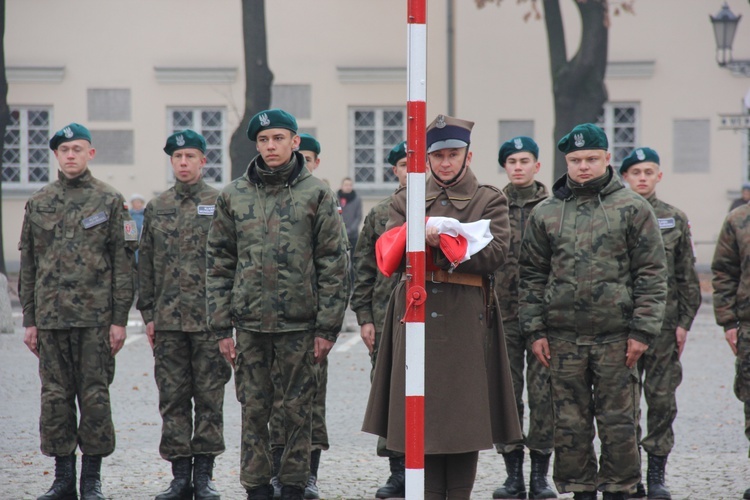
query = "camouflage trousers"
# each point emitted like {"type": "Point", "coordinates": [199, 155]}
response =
{"type": "Point", "coordinates": [189, 368]}
{"type": "Point", "coordinates": [661, 373]}
{"type": "Point", "coordinates": [256, 353]}
{"type": "Point", "coordinates": [319, 429]}
{"type": "Point", "coordinates": [742, 373]}
{"type": "Point", "coordinates": [540, 435]}
{"type": "Point", "coordinates": [76, 364]}
{"type": "Point", "coordinates": [591, 382]}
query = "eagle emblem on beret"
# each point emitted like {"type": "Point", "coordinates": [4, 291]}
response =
{"type": "Point", "coordinates": [264, 121]}
{"type": "Point", "coordinates": [440, 121]}
{"type": "Point", "coordinates": [68, 132]}
{"type": "Point", "coordinates": [578, 140]}
{"type": "Point", "coordinates": [180, 140]}
{"type": "Point", "coordinates": [518, 143]}
{"type": "Point", "coordinates": [640, 154]}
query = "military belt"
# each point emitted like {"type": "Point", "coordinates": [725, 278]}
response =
{"type": "Point", "coordinates": [441, 276]}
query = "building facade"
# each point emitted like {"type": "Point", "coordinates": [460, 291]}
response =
{"type": "Point", "coordinates": [135, 71]}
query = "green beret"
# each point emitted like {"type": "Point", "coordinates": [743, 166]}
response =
{"type": "Point", "coordinates": [639, 155]}
{"type": "Point", "coordinates": [398, 152]}
{"type": "Point", "coordinates": [517, 145]}
{"type": "Point", "coordinates": [584, 136]}
{"type": "Point", "coordinates": [69, 133]}
{"type": "Point", "coordinates": [309, 143]}
{"type": "Point", "coordinates": [183, 140]}
{"type": "Point", "coordinates": [270, 118]}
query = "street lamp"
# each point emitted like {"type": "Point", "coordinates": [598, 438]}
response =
{"type": "Point", "coordinates": [725, 26]}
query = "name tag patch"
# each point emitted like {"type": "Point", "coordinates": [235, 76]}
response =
{"type": "Point", "coordinates": [130, 230]}
{"type": "Point", "coordinates": [95, 220]}
{"type": "Point", "coordinates": [666, 223]}
{"type": "Point", "coordinates": [47, 210]}
{"type": "Point", "coordinates": [166, 211]}
{"type": "Point", "coordinates": [206, 209]}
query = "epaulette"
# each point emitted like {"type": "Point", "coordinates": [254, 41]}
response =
{"type": "Point", "coordinates": [490, 186]}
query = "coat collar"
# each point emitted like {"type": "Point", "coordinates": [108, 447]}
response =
{"type": "Point", "coordinates": [459, 194]}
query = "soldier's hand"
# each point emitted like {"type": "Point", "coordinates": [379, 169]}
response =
{"type": "Point", "coordinates": [432, 236]}
{"type": "Point", "coordinates": [150, 333]}
{"type": "Point", "coordinates": [226, 346]}
{"type": "Point", "coordinates": [30, 339]}
{"type": "Point", "coordinates": [367, 332]}
{"type": "Point", "coordinates": [681, 337]}
{"type": "Point", "coordinates": [322, 348]}
{"type": "Point", "coordinates": [731, 336]}
{"type": "Point", "coordinates": [634, 353]}
{"type": "Point", "coordinates": [116, 338]}
{"type": "Point", "coordinates": [540, 348]}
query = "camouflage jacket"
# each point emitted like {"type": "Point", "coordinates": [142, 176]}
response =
{"type": "Point", "coordinates": [593, 267]}
{"type": "Point", "coordinates": [506, 277]}
{"type": "Point", "coordinates": [77, 247]}
{"type": "Point", "coordinates": [683, 286]}
{"type": "Point", "coordinates": [172, 257]}
{"type": "Point", "coordinates": [276, 256]}
{"type": "Point", "coordinates": [731, 269]}
{"type": "Point", "coordinates": [371, 288]}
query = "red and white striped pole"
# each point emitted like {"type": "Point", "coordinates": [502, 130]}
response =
{"type": "Point", "coordinates": [415, 246]}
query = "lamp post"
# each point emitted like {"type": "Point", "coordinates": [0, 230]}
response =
{"type": "Point", "coordinates": [725, 26]}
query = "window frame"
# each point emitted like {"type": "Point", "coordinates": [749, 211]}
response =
{"type": "Point", "coordinates": [24, 185]}
{"type": "Point", "coordinates": [607, 123]}
{"type": "Point", "coordinates": [380, 163]}
{"type": "Point", "coordinates": [196, 110]}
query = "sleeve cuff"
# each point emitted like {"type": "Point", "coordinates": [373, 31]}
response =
{"type": "Point", "coordinates": [329, 336]}
{"type": "Point", "coordinates": [641, 337]}
{"type": "Point", "coordinates": [364, 317]}
{"type": "Point", "coordinates": [223, 334]}
{"type": "Point", "coordinates": [147, 315]}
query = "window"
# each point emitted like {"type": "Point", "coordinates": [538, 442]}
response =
{"type": "Point", "coordinates": [373, 133]}
{"type": "Point", "coordinates": [210, 122]}
{"type": "Point", "coordinates": [620, 122]}
{"type": "Point", "coordinates": [27, 158]}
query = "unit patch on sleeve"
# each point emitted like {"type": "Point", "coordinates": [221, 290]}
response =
{"type": "Point", "coordinates": [667, 223]}
{"type": "Point", "coordinates": [131, 230]}
{"type": "Point", "coordinates": [206, 209]}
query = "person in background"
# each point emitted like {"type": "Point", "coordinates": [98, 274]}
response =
{"type": "Point", "coordinates": [743, 199]}
{"type": "Point", "coordinates": [370, 300]}
{"type": "Point", "coordinates": [351, 210]}
{"type": "Point", "coordinates": [190, 371]}
{"type": "Point", "coordinates": [660, 364]}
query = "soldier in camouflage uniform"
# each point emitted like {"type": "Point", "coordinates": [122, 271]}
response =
{"type": "Point", "coordinates": [276, 271]}
{"type": "Point", "coordinates": [592, 297]}
{"type": "Point", "coordinates": [661, 362]}
{"type": "Point", "coordinates": [188, 366]}
{"type": "Point", "coordinates": [309, 148]}
{"type": "Point", "coordinates": [76, 288]}
{"type": "Point", "coordinates": [731, 282]}
{"type": "Point", "coordinates": [370, 300]}
{"type": "Point", "coordinates": [519, 157]}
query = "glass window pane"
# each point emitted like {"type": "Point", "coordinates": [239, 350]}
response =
{"type": "Point", "coordinates": [364, 119]}
{"type": "Point", "coordinates": [364, 174]}
{"type": "Point", "coordinates": [364, 156]}
{"type": "Point", "coordinates": [364, 137]}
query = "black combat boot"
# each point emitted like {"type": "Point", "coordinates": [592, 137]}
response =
{"type": "Point", "coordinates": [91, 479]}
{"type": "Point", "coordinates": [640, 491]}
{"type": "Point", "coordinates": [292, 493]}
{"type": "Point", "coordinates": [538, 485]}
{"type": "Point", "coordinates": [615, 495]}
{"type": "Point", "coordinates": [260, 493]}
{"type": "Point", "coordinates": [64, 485]}
{"type": "Point", "coordinates": [746, 496]}
{"type": "Point", "coordinates": [514, 486]}
{"type": "Point", "coordinates": [395, 487]}
{"type": "Point", "coordinates": [181, 487]}
{"type": "Point", "coordinates": [276, 454]}
{"type": "Point", "coordinates": [584, 495]}
{"type": "Point", "coordinates": [655, 477]}
{"type": "Point", "coordinates": [203, 474]}
{"type": "Point", "coordinates": [311, 490]}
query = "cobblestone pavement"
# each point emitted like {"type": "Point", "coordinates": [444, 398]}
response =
{"type": "Point", "coordinates": [710, 459]}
